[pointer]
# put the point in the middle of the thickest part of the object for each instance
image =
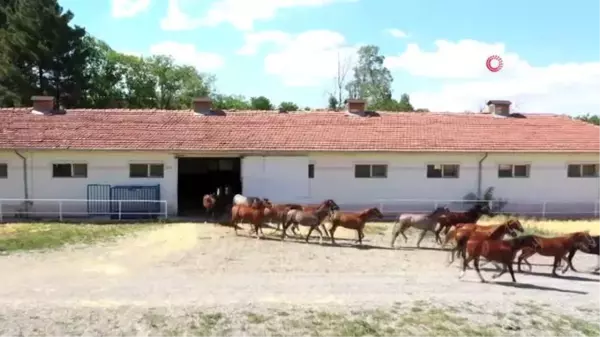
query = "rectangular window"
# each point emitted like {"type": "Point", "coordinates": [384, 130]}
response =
{"type": "Point", "coordinates": [311, 171]}
{"type": "Point", "coordinates": [582, 170]}
{"type": "Point", "coordinates": [442, 171]}
{"type": "Point", "coordinates": [146, 170]}
{"type": "Point", "coordinates": [3, 170]}
{"type": "Point", "coordinates": [513, 171]}
{"type": "Point", "coordinates": [69, 170]}
{"type": "Point", "coordinates": [370, 171]}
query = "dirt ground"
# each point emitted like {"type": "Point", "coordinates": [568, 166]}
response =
{"type": "Point", "coordinates": [200, 279]}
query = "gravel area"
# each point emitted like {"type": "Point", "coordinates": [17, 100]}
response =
{"type": "Point", "coordinates": [213, 282]}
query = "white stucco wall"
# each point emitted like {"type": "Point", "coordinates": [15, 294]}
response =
{"type": "Point", "coordinates": [286, 179]}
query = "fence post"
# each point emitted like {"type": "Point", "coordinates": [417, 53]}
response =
{"type": "Point", "coordinates": [1, 216]}
{"type": "Point", "coordinates": [381, 206]}
{"type": "Point", "coordinates": [544, 209]}
{"type": "Point", "coordinates": [166, 210]}
{"type": "Point", "coordinates": [596, 209]}
{"type": "Point", "coordinates": [60, 214]}
{"type": "Point", "coordinates": [119, 209]}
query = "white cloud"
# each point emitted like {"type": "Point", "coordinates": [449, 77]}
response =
{"type": "Point", "coordinates": [466, 83]}
{"type": "Point", "coordinates": [396, 33]}
{"type": "Point", "coordinates": [239, 13]}
{"type": "Point", "coordinates": [184, 53]}
{"type": "Point", "coordinates": [307, 59]}
{"type": "Point", "coordinates": [128, 8]}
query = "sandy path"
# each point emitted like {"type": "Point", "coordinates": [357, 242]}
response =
{"type": "Point", "coordinates": [200, 265]}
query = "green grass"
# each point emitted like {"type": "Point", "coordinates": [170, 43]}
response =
{"type": "Point", "coordinates": [414, 319]}
{"type": "Point", "coordinates": [36, 236]}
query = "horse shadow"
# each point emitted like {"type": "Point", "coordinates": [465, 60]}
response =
{"type": "Point", "coordinates": [292, 240]}
{"type": "Point", "coordinates": [565, 277]}
{"type": "Point", "coordinates": [537, 287]}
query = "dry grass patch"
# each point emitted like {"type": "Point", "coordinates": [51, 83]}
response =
{"type": "Point", "coordinates": [414, 319]}
{"type": "Point", "coordinates": [34, 236]}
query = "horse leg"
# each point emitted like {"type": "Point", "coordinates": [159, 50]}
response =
{"type": "Point", "coordinates": [512, 272]}
{"type": "Point", "coordinates": [315, 228]}
{"type": "Point", "coordinates": [570, 259]}
{"type": "Point", "coordinates": [525, 254]}
{"type": "Point", "coordinates": [360, 235]}
{"type": "Point", "coordinates": [476, 265]}
{"type": "Point", "coordinates": [395, 233]}
{"type": "Point", "coordinates": [465, 262]}
{"type": "Point", "coordinates": [555, 265]}
{"type": "Point", "coordinates": [421, 236]}
{"type": "Point", "coordinates": [567, 263]}
{"type": "Point", "coordinates": [332, 233]}
{"type": "Point", "coordinates": [504, 269]}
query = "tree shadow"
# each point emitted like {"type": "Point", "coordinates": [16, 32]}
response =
{"type": "Point", "coordinates": [537, 287]}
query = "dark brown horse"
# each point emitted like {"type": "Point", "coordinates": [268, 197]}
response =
{"type": "Point", "coordinates": [354, 221]}
{"type": "Point", "coordinates": [556, 247]}
{"type": "Point", "coordinates": [494, 249]}
{"type": "Point", "coordinates": [595, 250]}
{"type": "Point", "coordinates": [328, 203]}
{"type": "Point", "coordinates": [254, 214]}
{"type": "Point", "coordinates": [453, 218]}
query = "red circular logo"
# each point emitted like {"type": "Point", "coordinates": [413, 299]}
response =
{"type": "Point", "coordinates": [494, 63]}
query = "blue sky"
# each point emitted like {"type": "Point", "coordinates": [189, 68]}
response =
{"type": "Point", "coordinates": [550, 49]}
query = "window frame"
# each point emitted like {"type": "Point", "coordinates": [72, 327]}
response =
{"type": "Point", "coordinates": [148, 174]}
{"type": "Point", "coordinates": [371, 175]}
{"type": "Point", "coordinates": [580, 166]}
{"type": "Point", "coordinates": [3, 170]}
{"type": "Point", "coordinates": [513, 171]}
{"type": "Point", "coordinates": [311, 171]}
{"type": "Point", "coordinates": [442, 171]}
{"type": "Point", "coordinates": [72, 170]}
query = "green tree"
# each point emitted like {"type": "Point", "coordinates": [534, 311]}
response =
{"type": "Point", "coordinates": [261, 103]}
{"type": "Point", "coordinates": [288, 106]}
{"type": "Point", "coordinates": [332, 103]}
{"type": "Point", "coordinates": [372, 80]}
{"type": "Point", "coordinates": [230, 102]}
{"type": "Point", "coordinates": [589, 118]}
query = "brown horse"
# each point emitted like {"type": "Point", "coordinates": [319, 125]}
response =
{"type": "Point", "coordinates": [310, 219]}
{"type": "Point", "coordinates": [354, 221]}
{"type": "Point", "coordinates": [254, 214]}
{"type": "Point", "coordinates": [557, 247]}
{"type": "Point", "coordinates": [462, 232]}
{"type": "Point", "coordinates": [494, 249]}
{"type": "Point", "coordinates": [595, 250]}
{"type": "Point", "coordinates": [209, 201]}
{"type": "Point", "coordinates": [454, 218]}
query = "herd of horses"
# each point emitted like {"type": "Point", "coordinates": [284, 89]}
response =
{"type": "Point", "coordinates": [472, 241]}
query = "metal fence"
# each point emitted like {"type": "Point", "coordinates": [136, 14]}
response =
{"type": "Point", "coordinates": [62, 209]}
{"type": "Point", "coordinates": [157, 209]}
{"type": "Point", "coordinates": [548, 209]}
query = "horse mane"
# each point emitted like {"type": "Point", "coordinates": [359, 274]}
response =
{"type": "Point", "coordinates": [498, 230]}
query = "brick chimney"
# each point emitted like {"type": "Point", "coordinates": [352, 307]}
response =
{"type": "Point", "coordinates": [202, 105]}
{"type": "Point", "coordinates": [42, 104]}
{"type": "Point", "coordinates": [356, 105]}
{"type": "Point", "coordinates": [499, 107]}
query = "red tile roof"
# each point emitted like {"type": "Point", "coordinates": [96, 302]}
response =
{"type": "Point", "coordinates": [120, 129]}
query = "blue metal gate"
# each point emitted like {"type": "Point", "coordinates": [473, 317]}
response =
{"type": "Point", "coordinates": [135, 201]}
{"type": "Point", "coordinates": [98, 199]}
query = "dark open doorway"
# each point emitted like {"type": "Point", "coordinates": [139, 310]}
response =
{"type": "Point", "coordinates": [200, 176]}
